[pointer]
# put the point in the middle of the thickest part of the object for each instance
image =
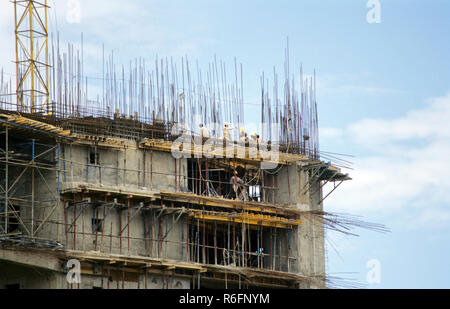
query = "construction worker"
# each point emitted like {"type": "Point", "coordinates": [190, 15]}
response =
{"type": "Point", "coordinates": [254, 139]}
{"type": "Point", "coordinates": [259, 141]}
{"type": "Point", "coordinates": [227, 132]}
{"type": "Point", "coordinates": [242, 133]}
{"type": "Point", "coordinates": [238, 186]}
{"type": "Point", "coordinates": [243, 137]}
{"type": "Point", "coordinates": [253, 145]}
{"type": "Point", "coordinates": [204, 132]}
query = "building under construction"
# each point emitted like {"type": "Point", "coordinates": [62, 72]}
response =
{"type": "Point", "coordinates": [156, 184]}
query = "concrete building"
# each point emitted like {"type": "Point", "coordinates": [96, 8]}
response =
{"type": "Point", "coordinates": [144, 187]}
{"type": "Point", "coordinates": [135, 216]}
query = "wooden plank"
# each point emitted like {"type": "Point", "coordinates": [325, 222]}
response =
{"type": "Point", "coordinates": [230, 204]}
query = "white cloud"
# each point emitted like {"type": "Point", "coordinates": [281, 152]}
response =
{"type": "Point", "coordinates": [360, 83]}
{"type": "Point", "coordinates": [432, 122]}
{"type": "Point", "coordinates": [330, 133]}
{"type": "Point", "coordinates": [407, 171]}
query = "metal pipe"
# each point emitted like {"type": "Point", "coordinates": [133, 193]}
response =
{"type": "Point", "coordinates": [7, 181]}
{"type": "Point", "coordinates": [215, 242]}
{"type": "Point", "coordinates": [32, 189]}
{"type": "Point", "coordinates": [74, 222]}
{"type": "Point", "coordinates": [128, 230]}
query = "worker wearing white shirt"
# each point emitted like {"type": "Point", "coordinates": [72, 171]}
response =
{"type": "Point", "coordinates": [244, 140]}
{"type": "Point", "coordinates": [242, 134]}
{"type": "Point", "coordinates": [227, 132]}
{"type": "Point", "coordinates": [204, 132]}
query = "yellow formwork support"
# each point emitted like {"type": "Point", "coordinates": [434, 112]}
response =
{"type": "Point", "coordinates": [249, 219]}
{"type": "Point", "coordinates": [36, 124]}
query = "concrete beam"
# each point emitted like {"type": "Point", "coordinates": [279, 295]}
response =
{"type": "Point", "coordinates": [32, 259]}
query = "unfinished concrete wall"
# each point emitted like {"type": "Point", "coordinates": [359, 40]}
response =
{"type": "Point", "coordinates": [291, 181]}
{"type": "Point", "coordinates": [317, 231]}
{"type": "Point", "coordinates": [15, 276]}
{"type": "Point", "coordinates": [22, 269]}
{"type": "Point", "coordinates": [175, 246]}
{"type": "Point", "coordinates": [138, 282]}
{"type": "Point", "coordinates": [311, 241]}
{"type": "Point", "coordinates": [166, 237]}
{"type": "Point", "coordinates": [20, 277]}
{"type": "Point", "coordinates": [127, 168]}
{"type": "Point", "coordinates": [308, 238]}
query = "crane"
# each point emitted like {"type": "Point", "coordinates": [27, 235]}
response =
{"type": "Point", "coordinates": [32, 56]}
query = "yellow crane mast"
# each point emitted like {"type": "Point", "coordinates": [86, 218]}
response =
{"type": "Point", "coordinates": [32, 69]}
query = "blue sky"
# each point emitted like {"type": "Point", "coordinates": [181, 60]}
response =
{"type": "Point", "coordinates": [383, 92]}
